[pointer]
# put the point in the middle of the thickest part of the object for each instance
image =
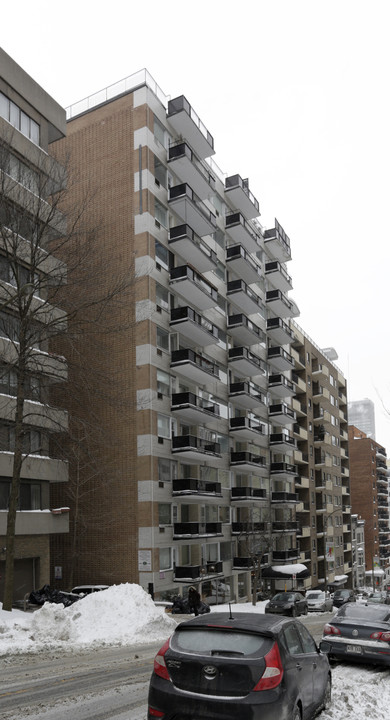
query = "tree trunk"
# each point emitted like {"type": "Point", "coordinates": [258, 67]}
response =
{"type": "Point", "coordinates": [15, 484]}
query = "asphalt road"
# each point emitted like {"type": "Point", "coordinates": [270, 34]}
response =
{"type": "Point", "coordinates": [106, 684]}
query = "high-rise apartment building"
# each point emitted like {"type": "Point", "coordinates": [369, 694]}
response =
{"type": "Point", "coordinates": [361, 414]}
{"type": "Point", "coordinates": [29, 120]}
{"type": "Point", "coordinates": [322, 482]}
{"type": "Point", "coordinates": [370, 496]}
{"type": "Point", "coordinates": [213, 449]}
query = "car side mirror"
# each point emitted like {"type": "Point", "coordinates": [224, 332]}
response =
{"type": "Point", "coordinates": [325, 646]}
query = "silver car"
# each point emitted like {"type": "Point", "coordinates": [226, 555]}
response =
{"type": "Point", "coordinates": [319, 601]}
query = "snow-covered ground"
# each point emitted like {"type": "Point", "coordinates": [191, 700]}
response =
{"type": "Point", "coordinates": [126, 615]}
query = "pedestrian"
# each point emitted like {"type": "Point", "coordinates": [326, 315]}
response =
{"type": "Point", "coordinates": [193, 600]}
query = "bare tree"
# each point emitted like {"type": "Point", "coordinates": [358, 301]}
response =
{"type": "Point", "coordinates": [55, 289]}
{"type": "Point", "coordinates": [255, 540]}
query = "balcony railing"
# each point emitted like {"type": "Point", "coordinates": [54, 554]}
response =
{"type": "Point", "coordinates": [242, 353]}
{"type": "Point", "coordinates": [239, 229]}
{"type": "Point", "coordinates": [191, 442]}
{"type": "Point", "coordinates": [180, 357]}
{"type": "Point", "coordinates": [247, 458]}
{"type": "Point", "coordinates": [181, 107]}
{"type": "Point", "coordinates": [185, 399]}
{"type": "Point", "coordinates": [195, 529]}
{"type": "Point", "coordinates": [249, 527]}
{"type": "Point", "coordinates": [284, 497]}
{"type": "Point", "coordinates": [186, 313]}
{"type": "Point", "coordinates": [185, 273]}
{"type": "Point", "coordinates": [280, 555]}
{"type": "Point", "coordinates": [235, 181]}
{"type": "Point", "coordinates": [243, 493]}
{"type": "Point", "coordinates": [192, 247]}
{"type": "Point", "coordinates": [240, 320]}
{"type": "Point", "coordinates": [194, 486]}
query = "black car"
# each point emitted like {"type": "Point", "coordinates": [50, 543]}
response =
{"type": "Point", "coordinates": [359, 632]}
{"type": "Point", "coordinates": [240, 665]}
{"type": "Point", "coordinates": [287, 603]}
{"type": "Point", "coordinates": [341, 597]}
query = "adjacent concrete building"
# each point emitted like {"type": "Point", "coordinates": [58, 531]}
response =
{"type": "Point", "coordinates": [29, 120]}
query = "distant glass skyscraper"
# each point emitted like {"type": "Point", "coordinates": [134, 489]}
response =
{"type": "Point", "coordinates": [361, 413]}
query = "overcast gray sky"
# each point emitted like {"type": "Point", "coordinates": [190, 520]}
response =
{"type": "Point", "coordinates": [296, 95]}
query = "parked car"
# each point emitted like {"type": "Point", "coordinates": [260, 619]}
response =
{"type": "Point", "coordinates": [340, 597]}
{"type": "Point", "coordinates": [287, 603]}
{"type": "Point", "coordinates": [239, 665]}
{"type": "Point", "coordinates": [88, 589]}
{"type": "Point", "coordinates": [359, 632]}
{"type": "Point", "coordinates": [319, 601]}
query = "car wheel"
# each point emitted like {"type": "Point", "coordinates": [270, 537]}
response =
{"type": "Point", "coordinates": [305, 611]}
{"type": "Point", "coordinates": [328, 695]}
{"type": "Point", "coordinates": [297, 714]}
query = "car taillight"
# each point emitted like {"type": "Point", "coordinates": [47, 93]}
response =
{"type": "Point", "coordinates": [273, 673]}
{"type": "Point", "coordinates": [331, 630]}
{"type": "Point", "coordinates": [377, 635]}
{"type": "Point", "coordinates": [153, 713]}
{"type": "Point", "coordinates": [159, 666]}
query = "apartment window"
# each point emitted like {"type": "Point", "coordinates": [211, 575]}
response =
{"type": "Point", "coordinates": [314, 568]}
{"type": "Point", "coordinates": [224, 515]}
{"type": "Point", "coordinates": [219, 238]}
{"type": "Point", "coordinates": [164, 514]}
{"type": "Point", "coordinates": [220, 270]}
{"type": "Point", "coordinates": [163, 383]}
{"type": "Point", "coordinates": [30, 496]}
{"type": "Point", "coordinates": [162, 297]}
{"type": "Point", "coordinates": [162, 338]}
{"type": "Point", "coordinates": [19, 119]}
{"type": "Point", "coordinates": [314, 547]}
{"type": "Point", "coordinates": [160, 173]}
{"type": "Point", "coordinates": [211, 552]}
{"type": "Point", "coordinates": [167, 470]}
{"type": "Point", "coordinates": [163, 256]}
{"type": "Point", "coordinates": [165, 555]}
{"type": "Point", "coordinates": [160, 213]}
{"type": "Point", "coordinates": [226, 551]}
{"type": "Point", "coordinates": [160, 133]}
{"type": "Point", "coordinates": [164, 426]}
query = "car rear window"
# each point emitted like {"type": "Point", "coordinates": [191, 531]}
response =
{"type": "Point", "coordinates": [217, 641]}
{"type": "Point", "coordinates": [364, 612]}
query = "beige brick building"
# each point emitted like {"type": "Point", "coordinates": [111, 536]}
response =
{"type": "Point", "coordinates": [209, 451]}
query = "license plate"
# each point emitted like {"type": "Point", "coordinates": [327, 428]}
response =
{"type": "Point", "coordinates": [354, 649]}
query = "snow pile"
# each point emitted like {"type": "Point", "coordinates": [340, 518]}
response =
{"type": "Point", "coordinates": [121, 615]}
{"type": "Point", "coordinates": [359, 693]}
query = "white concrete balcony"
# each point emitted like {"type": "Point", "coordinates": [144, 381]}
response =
{"type": "Point", "coordinates": [240, 197]}
{"type": "Point", "coordinates": [187, 124]}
